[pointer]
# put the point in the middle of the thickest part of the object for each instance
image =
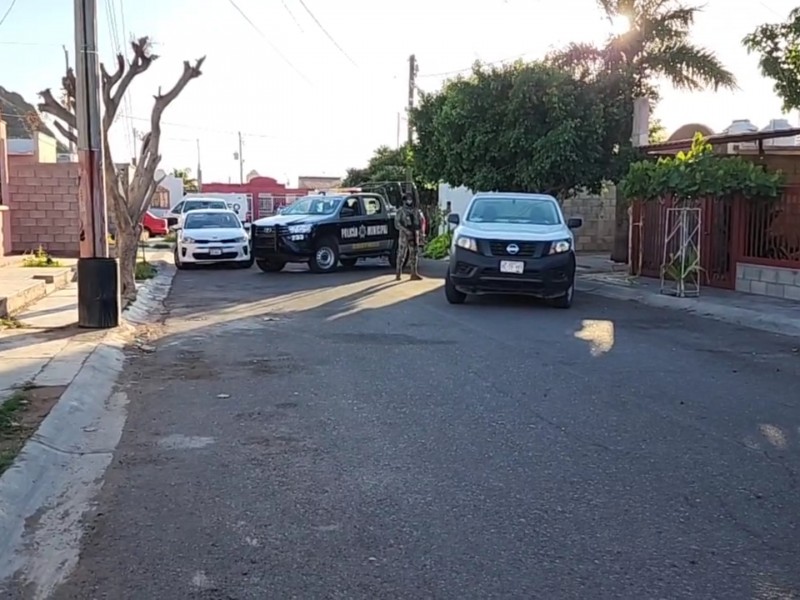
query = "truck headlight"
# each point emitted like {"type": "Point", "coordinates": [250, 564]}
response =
{"type": "Point", "coordinates": [560, 246]}
{"type": "Point", "coordinates": [299, 228]}
{"type": "Point", "coordinates": [467, 243]}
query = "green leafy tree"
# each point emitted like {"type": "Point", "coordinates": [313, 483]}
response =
{"type": "Point", "coordinates": [525, 127]}
{"type": "Point", "coordinates": [657, 45]}
{"type": "Point", "coordinates": [778, 47]}
{"type": "Point", "coordinates": [386, 164]}
{"type": "Point", "coordinates": [190, 184]}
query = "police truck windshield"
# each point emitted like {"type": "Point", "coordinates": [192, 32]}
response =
{"type": "Point", "coordinates": [313, 205]}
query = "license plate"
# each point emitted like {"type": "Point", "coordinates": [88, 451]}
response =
{"type": "Point", "coordinates": [512, 266]}
{"type": "Point", "coordinates": [217, 252]}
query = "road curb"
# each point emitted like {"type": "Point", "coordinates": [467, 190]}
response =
{"type": "Point", "coordinates": [45, 493]}
{"type": "Point", "coordinates": [733, 315]}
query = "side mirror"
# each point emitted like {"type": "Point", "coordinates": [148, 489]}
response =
{"type": "Point", "coordinates": [575, 223]}
{"type": "Point", "coordinates": [453, 219]}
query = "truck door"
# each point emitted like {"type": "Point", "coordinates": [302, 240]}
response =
{"type": "Point", "coordinates": [352, 229]}
{"type": "Point", "coordinates": [376, 219]}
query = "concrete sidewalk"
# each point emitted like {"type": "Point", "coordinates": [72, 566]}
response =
{"type": "Point", "coordinates": [764, 313]}
{"type": "Point", "coordinates": [21, 286]}
{"type": "Point", "coordinates": [48, 348]}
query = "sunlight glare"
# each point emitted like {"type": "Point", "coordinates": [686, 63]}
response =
{"type": "Point", "coordinates": [620, 24]}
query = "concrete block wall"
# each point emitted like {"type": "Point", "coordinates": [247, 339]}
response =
{"type": "Point", "coordinates": [43, 201]}
{"type": "Point", "coordinates": [768, 281]}
{"type": "Point", "coordinates": [597, 212]}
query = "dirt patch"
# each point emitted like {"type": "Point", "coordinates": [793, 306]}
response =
{"type": "Point", "coordinates": [20, 416]}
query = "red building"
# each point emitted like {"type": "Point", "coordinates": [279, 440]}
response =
{"type": "Point", "coordinates": [264, 194]}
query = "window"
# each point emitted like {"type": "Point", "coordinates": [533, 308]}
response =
{"type": "Point", "coordinates": [510, 209]}
{"type": "Point", "coordinates": [372, 206]}
{"type": "Point", "coordinates": [266, 204]}
{"type": "Point", "coordinates": [200, 204]}
{"type": "Point", "coordinates": [178, 208]}
{"type": "Point", "coordinates": [209, 220]}
{"type": "Point", "coordinates": [351, 207]}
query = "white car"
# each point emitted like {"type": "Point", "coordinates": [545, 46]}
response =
{"type": "Point", "coordinates": [212, 236]}
{"type": "Point", "coordinates": [510, 243]}
{"type": "Point", "coordinates": [176, 215]}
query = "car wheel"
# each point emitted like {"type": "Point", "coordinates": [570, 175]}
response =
{"type": "Point", "coordinates": [270, 266]}
{"type": "Point", "coordinates": [177, 260]}
{"type": "Point", "coordinates": [325, 257]}
{"type": "Point", "coordinates": [246, 264]}
{"type": "Point", "coordinates": [451, 293]}
{"type": "Point", "coordinates": [565, 301]}
{"type": "Point", "coordinates": [348, 263]}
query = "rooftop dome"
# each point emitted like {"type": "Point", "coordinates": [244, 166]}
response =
{"type": "Point", "coordinates": [687, 132]}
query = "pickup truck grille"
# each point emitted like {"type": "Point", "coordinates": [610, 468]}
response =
{"type": "Point", "coordinates": [526, 249]}
{"type": "Point", "coordinates": [266, 238]}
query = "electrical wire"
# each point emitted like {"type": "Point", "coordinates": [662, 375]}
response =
{"type": "Point", "coordinates": [291, 14]}
{"type": "Point", "coordinates": [269, 42]}
{"type": "Point", "coordinates": [209, 129]}
{"type": "Point", "coordinates": [325, 31]}
{"type": "Point", "coordinates": [468, 69]}
{"type": "Point", "coordinates": [8, 12]}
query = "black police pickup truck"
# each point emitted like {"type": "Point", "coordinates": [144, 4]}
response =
{"type": "Point", "coordinates": [325, 230]}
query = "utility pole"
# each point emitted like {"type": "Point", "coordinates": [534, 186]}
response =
{"type": "Point", "coordinates": [98, 274]}
{"type": "Point", "coordinates": [397, 145]}
{"type": "Point", "coordinates": [241, 160]}
{"type": "Point", "coordinates": [70, 143]}
{"type": "Point", "coordinates": [199, 169]}
{"type": "Point", "coordinates": [413, 69]}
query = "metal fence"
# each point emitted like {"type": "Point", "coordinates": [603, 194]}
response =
{"type": "Point", "coordinates": [761, 233]}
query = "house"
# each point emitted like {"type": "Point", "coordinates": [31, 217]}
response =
{"type": "Point", "coordinates": [746, 246]}
{"type": "Point", "coordinates": [314, 182]}
{"type": "Point", "coordinates": [264, 194]}
{"type": "Point", "coordinates": [38, 196]}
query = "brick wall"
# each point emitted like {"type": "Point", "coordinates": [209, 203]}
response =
{"type": "Point", "coordinates": [597, 212]}
{"type": "Point", "coordinates": [43, 199]}
{"type": "Point", "coordinates": [768, 281]}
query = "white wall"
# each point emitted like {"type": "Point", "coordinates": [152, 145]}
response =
{"type": "Point", "coordinates": [459, 198]}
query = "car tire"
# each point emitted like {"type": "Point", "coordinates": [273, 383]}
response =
{"type": "Point", "coordinates": [326, 256]}
{"type": "Point", "coordinates": [270, 266]}
{"type": "Point", "coordinates": [564, 301]}
{"type": "Point", "coordinates": [451, 293]}
{"type": "Point", "coordinates": [348, 263]}
{"type": "Point", "coordinates": [180, 265]}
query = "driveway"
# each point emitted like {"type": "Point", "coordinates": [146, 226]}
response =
{"type": "Point", "coordinates": [346, 436]}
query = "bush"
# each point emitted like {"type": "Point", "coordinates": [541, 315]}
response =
{"type": "Point", "coordinates": [439, 247]}
{"type": "Point", "coordinates": [144, 270]}
{"type": "Point", "coordinates": [40, 258]}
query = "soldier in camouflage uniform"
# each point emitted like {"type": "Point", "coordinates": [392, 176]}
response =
{"type": "Point", "coordinates": [408, 226]}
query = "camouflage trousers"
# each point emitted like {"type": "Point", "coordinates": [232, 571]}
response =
{"type": "Point", "coordinates": [407, 247]}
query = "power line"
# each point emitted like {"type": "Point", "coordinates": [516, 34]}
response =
{"type": "Point", "coordinates": [325, 31]}
{"type": "Point", "coordinates": [468, 69]}
{"type": "Point", "coordinates": [8, 11]}
{"type": "Point", "coordinates": [269, 42]}
{"type": "Point", "coordinates": [291, 14]}
{"type": "Point", "coordinates": [195, 127]}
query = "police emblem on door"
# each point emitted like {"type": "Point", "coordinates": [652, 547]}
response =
{"type": "Point", "coordinates": [362, 232]}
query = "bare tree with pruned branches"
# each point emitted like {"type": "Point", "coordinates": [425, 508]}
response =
{"type": "Point", "coordinates": [128, 202]}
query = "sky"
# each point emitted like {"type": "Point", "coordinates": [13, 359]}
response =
{"type": "Point", "coordinates": [307, 104]}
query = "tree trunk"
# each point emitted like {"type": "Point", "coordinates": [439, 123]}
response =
{"type": "Point", "coordinates": [621, 230]}
{"type": "Point", "coordinates": [127, 247]}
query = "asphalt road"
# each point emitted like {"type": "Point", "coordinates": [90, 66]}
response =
{"type": "Point", "coordinates": [346, 436]}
